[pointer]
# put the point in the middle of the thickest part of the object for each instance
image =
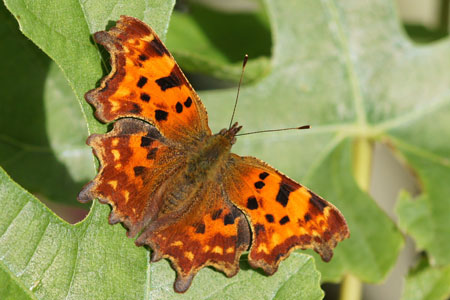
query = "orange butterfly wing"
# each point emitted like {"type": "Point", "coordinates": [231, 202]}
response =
{"type": "Point", "coordinates": [135, 163]}
{"type": "Point", "coordinates": [145, 82]}
{"type": "Point", "coordinates": [283, 215]}
{"type": "Point", "coordinates": [211, 232]}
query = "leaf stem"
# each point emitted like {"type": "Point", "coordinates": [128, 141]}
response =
{"type": "Point", "coordinates": [362, 162]}
{"type": "Point", "coordinates": [351, 287]}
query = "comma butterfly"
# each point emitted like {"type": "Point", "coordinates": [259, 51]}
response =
{"type": "Point", "coordinates": [176, 186]}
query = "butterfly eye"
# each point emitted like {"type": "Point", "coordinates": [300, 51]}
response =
{"type": "Point", "coordinates": [223, 131]}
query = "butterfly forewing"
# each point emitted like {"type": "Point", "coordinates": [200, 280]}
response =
{"type": "Point", "coordinates": [145, 82]}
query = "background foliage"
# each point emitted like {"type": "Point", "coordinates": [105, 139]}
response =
{"type": "Point", "coordinates": [345, 68]}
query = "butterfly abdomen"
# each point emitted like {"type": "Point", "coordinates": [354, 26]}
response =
{"type": "Point", "coordinates": [203, 165]}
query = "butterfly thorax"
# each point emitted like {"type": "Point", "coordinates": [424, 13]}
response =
{"type": "Point", "coordinates": [211, 155]}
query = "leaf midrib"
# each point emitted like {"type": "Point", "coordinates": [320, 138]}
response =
{"type": "Point", "coordinates": [421, 152]}
{"type": "Point", "coordinates": [354, 80]}
{"type": "Point", "coordinates": [17, 281]}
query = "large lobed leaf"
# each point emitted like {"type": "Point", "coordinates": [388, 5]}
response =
{"type": "Point", "coordinates": [428, 283]}
{"type": "Point", "coordinates": [93, 259]}
{"type": "Point", "coordinates": [345, 68]}
{"type": "Point", "coordinates": [38, 109]}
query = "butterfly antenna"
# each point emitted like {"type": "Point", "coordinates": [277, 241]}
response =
{"type": "Point", "coordinates": [239, 88]}
{"type": "Point", "coordinates": [273, 130]}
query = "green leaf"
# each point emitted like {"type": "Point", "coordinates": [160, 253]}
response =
{"type": "Point", "coordinates": [10, 289]}
{"type": "Point", "coordinates": [296, 278]}
{"type": "Point", "coordinates": [201, 44]}
{"type": "Point", "coordinates": [346, 68]}
{"type": "Point", "coordinates": [42, 131]}
{"type": "Point", "coordinates": [373, 258]}
{"type": "Point", "coordinates": [428, 284]}
{"type": "Point", "coordinates": [55, 260]}
{"type": "Point", "coordinates": [93, 259]}
{"type": "Point", "coordinates": [426, 218]}
{"type": "Point", "coordinates": [328, 71]}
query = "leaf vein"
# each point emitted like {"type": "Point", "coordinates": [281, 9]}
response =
{"type": "Point", "coordinates": [34, 250]}
{"type": "Point", "coordinates": [344, 43]}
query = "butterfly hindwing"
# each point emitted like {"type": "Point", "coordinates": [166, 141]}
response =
{"type": "Point", "coordinates": [283, 214]}
{"type": "Point", "coordinates": [211, 232]}
{"type": "Point", "coordinates": [145, 82]}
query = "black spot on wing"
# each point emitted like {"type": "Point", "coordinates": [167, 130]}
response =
{"type": "Point", "coordinates": [142, 81]}
{"type": "Point", "coordinates": [283, 192]}
{"type": "Point", "coordinates": [171, 81]}
{"type": "Point", "coordinates": [263, 175]}
{"type": "Point", "coordinates": [216, 214]}
{"type": "Point", "coordinates": [307, 217]}
{"type": "Point", "coordinates": [200, 228]}
{"type": "Point", "coordinates": [252, 203]}
{"type": "Point", "coordinates": [284, 220]}
{"type": "Point", "coordinates": [259, 184]}
{"type": "Point", "coordinates": [145, 141]}
{"type": "Point", "coordinates": [317, 202]}
{"type": "Point", "coordinates": [143, 57]}
{"type": "Point", "coordinates": [145, 97]}
{"type": "Point", "coordinates": [179, 107]}
{"type": "Point", "coordinates": [228, 219]}
{"type": "Point", "coordinates": [188, 102]}
{"type": "Point", "coordinates": [138, 170]}
{"type": "Point", "coordinates": [270, 218]}
{"type": "Point", "coordinates": [161, 115]}
{"type": "Point", "coordinates": [156, 48]}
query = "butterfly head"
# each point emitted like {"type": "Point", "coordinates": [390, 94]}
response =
{"type": "Point", "coordinates": [230, 133]}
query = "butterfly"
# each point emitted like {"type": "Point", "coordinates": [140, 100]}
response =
{"type": "Point", "coordinates": [176, 186]}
